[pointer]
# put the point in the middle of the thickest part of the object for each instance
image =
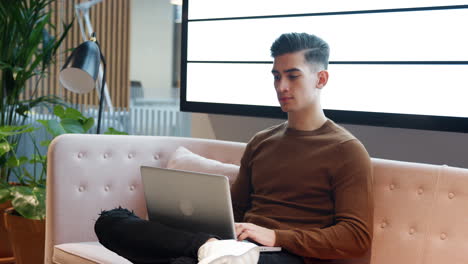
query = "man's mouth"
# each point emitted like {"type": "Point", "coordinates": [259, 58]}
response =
{"type": "Point", "coordinates": [285, 99]}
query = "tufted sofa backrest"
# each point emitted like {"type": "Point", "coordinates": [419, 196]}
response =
{"type": "Point", "coordinates": [420, 217]}
{"type": "Point", "coordinates": [421, 213]}
{"type": "Point", "coordinates": [90, 173]}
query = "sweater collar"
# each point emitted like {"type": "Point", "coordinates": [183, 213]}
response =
{"type": "Point", "coordinates": [321, 130]}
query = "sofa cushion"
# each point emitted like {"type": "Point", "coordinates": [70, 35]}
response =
{"type": "Point", "coordinates": [184, 159]}
{"type": "Point", "coordinates": [86, 253]}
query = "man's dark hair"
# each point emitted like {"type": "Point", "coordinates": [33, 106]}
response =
{"type": "Point", "coordinates": [317, 50]}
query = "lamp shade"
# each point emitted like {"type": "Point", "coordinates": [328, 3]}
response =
{"type": "Point", "coordinates": [80, 72]}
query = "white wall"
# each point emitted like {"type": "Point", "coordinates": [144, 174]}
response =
{"type": "Point", "coordinates": [390, 143]}
{"type": "Point", "coordinates": [151, 46]}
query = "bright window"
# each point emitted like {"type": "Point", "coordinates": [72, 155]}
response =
{"type": "Point", "coordinates": [389, 57]}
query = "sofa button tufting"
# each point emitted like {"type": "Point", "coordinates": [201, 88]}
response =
{"type": "Point", "coordinates": [80, 155]}
{"type": "Point", "coordinates": [383, 224]}
{"type": "Point", "coordinates": [420, 191]}
{"type": "Point", "coordinates": [81, 189]}
{"type": "Point", "coordinates": [411, 231]}
{"type": "Point", "coordinates": [105, 155]}
{"type": "Point", "coordinates": [106, 188]}
{"type": "Point", "coordinates": [156, 157]}
{"type": "Point", "coordinates": [451, 195]}
{"type": "Point", "coordinates": [392, 186]}
{"type": "Point", "coordinates": [132, 187]}
{"type": "Point", "coordinates": [130, 155]}
{"type": "Point", "coordinates": [443, 236]}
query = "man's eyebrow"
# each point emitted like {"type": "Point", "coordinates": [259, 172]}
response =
{"type": "Point", "coordinates": [286, 71]}
{"type": "Point", "coordinates": [292, 70]}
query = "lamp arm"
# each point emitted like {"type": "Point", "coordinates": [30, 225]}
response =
{"type": "Point", "coordinates": [82, 12]}
{"type": "Point", "coordinates": [89, 27]}
{"type": "Point", "coordinates": [87, 4]}
{"type": "Point", "coordinates": [101, 98]}
{"type": "Point", "coordinates": [84, 15]}
{"type": "Point", "coordinates": [80, 23]}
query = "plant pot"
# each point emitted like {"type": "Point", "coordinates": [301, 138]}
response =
{"type": "Point", "coordinates": [6, 252]}
{"type": "Point", "coordinates": [27, 237]}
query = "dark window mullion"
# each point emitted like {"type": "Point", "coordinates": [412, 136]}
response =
{"type": "Point", "coordinates": [394, 10]}
{"type": "Point", "coordinates": [350, 62]}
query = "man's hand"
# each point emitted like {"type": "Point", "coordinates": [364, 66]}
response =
{"type": "Point", "coordinates": [261, 235]}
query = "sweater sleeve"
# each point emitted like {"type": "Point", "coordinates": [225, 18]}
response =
{"type": "Point", "coordinates": [241, 188]}
{"type": "Point", "coordinates": [351, 234]}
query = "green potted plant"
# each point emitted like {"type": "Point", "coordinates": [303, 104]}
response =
{"type": "Point", "coordinates": [6, 252]}
{"type": "Point", "coordinates": [29, 43]}
{"type": "Point", "coordinates": [26, 51]}
{"type": "Point", "coordinates": [25, 221]}
{"type": "Point", "coordinates": [12, 193]}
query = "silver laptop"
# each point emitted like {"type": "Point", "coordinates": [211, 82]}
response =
{"type": "Point", "coordinates": [190, 201]}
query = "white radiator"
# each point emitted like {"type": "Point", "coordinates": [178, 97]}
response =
{"type": "Point", "coordinates": [138, 120]}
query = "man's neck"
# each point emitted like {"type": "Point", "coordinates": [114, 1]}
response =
{"type": "Point", "coordinates": [307, 121]}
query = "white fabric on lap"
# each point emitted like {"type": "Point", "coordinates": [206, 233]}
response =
{"type": "Point", "coordinates": [228, 252]}
{"type": "Point", "coordinates": [184, 159]}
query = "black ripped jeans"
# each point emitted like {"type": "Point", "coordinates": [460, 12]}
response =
{"type": "Point", "coordinates": [141, 241]}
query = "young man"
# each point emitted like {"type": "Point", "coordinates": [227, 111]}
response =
{"type": "Point", "coordinates": [304, 185]}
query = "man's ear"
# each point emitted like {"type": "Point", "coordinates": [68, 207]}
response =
{"type": "Point", "coordinates": [322, 79]}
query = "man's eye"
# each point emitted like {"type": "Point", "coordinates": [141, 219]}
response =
{"type": "Point", "coordinates": [293, 76]}
{"type": "Point", "coordinates": [276, 77]}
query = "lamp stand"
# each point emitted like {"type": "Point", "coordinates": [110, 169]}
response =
{"type": "Point", "coordinates": [101, 98]}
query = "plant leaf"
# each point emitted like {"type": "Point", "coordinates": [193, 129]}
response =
{"type": "Point", "coordinates": [46, 100]}
{"type": "Point", "coordinates": [71, 113]}
{"type": "Point", "coordinates": [54, 127]}
{"type": "Point", "coordinates": [5, 194]}
{"type": "Point", "coordinates": [72, 126]}
{"type": "Point", "coordinates": [6, 131]}
{"type": "Point", "coordinates": [29, 177]}
{"type": "Point", "coordinates": [43, 122]}
{"type": "Point", "coordinates": [23, 160]}
{"type": "Point", "coordinates": [29, 201]}
{"type": "Point", "coordinates": [4, 147]}
{"type": "Point", "coordinates": [59, 111]}
{"type": "Point", "coordinates": [45, 143]}
{"type": "Point", "coordinates": [88, 124]}
{"type": "Point", "coordinates": [37, 159]}
{"type": "Point", "coordinates": [5, 66]}
{"type": "Point", "coordinates": [13, 162]}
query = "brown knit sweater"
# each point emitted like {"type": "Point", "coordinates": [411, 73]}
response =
{"type": "Point", "coordinates": [313, 188]}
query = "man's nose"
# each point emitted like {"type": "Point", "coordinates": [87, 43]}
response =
{"type": "Point", "coordinates": [282, 86]}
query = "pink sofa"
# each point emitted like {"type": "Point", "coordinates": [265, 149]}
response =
{"type": "Point", "coordinates": [421, 210]}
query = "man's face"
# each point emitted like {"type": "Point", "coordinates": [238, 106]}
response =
{"type": "Point", "coordinates": [297, 83]}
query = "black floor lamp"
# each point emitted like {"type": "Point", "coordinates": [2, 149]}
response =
{"type": "Point", "coordinates": [81, 69]}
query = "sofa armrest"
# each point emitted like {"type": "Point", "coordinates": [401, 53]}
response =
{"type": "Point", "coordinates": [86, 253]}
